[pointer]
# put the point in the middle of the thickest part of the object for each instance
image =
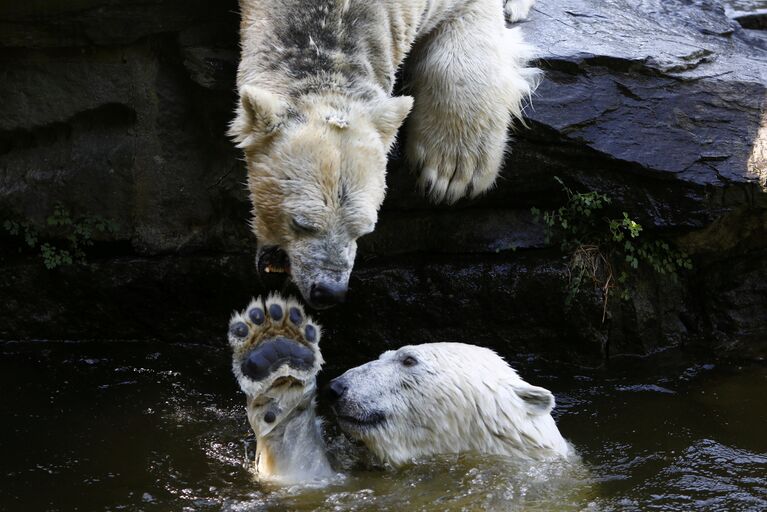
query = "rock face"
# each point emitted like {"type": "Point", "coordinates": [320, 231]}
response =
{"type": "Point", "coordinates": [119, 109]}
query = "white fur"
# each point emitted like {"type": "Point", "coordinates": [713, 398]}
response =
{"type": "Point", "coordinates": [316, 116]}
{"type": "Point", "coordinates": [289, 447]}
{"type": "Point", "coordinates": [453, 398]}
{"type": "Point", "coordinates": [517, 10]}
{"type": "Point", "coordinates": [456, 398]}
{"type": "Point", "coordinates": [468, 79]}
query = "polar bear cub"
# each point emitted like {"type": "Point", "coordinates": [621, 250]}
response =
{"type": "Point", "coordinates": [414, 402]}
{"type": "Point", "coordinates": [439, 398]}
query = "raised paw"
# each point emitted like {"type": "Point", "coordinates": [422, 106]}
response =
{"type": "Point", "coordinates": [516, 10]}
{"type": "Point", "coordinates": [466, 167]}
{"type": "Point", "coordinates": [276, 355]}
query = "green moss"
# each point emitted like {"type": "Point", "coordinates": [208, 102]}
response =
{"type": "Point", "coordinates": [607, 251]}
{"type": "Point", "coordinates": [72, 236]}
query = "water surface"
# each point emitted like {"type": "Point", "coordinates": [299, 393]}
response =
{"type": "Point", "coordinates": [141, 426]}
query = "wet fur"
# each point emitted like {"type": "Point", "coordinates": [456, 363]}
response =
{"type": "Point", "coordinates": [455, 398]}
{"type": "Point", "coordinates": [316, 117]}
{"type": "Point", "coordinates": [289, 448]}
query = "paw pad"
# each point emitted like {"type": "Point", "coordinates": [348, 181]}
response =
{"type": "Point", "coordinates": [310, 333]}
{"type": "Point", "coordinates": [273, 337]}
{"type": "Point", "coordinates": [256, 315]}
{"type": "Point", "coordinates": [275, 311]}
{"type": "Point", "coordinates": [239, 329]}
{"type": "Point", "coordinates": [295, 316]}
{"type": "Point", "coordinates": [275, 353]}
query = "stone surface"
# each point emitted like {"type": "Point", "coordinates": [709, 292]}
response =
{"type": "Point", "coordinates": [673, 92]}
{"type": "Point", "coordinates": [119, 109]}
{"type": "Point", "coordinates": [750, 14]}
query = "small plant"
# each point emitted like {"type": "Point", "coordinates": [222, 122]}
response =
{"type": "Point", "coordinates": [74, 236]}
{"type": "Point", "coordinates": [601, 247]}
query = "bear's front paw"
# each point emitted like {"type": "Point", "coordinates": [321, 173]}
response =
{"type": "Point", "coordinates": [275, 349]}
{"type": "Point", "coordinates": [455, 170]}
{"type": "Point", "coordinates": [436, 180]}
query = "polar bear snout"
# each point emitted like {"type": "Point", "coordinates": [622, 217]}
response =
{"type": "Point", "coordinates": [336, 389]}
{"type": "Point", "coordinates": [353, 415]}
{"type": "Point", "coordinates": [326, 294]}
{"type": "Point", "coordinates": [320, 268]}
{"type": "Point", "coordinates": [271, 355]}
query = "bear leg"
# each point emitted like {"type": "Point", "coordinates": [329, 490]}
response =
{"type": "Point", "coordinates": [275, 358]}
{"type": "Point", "coordinates": [468, 76]}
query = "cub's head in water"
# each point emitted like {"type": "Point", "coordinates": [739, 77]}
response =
{"type": "Point", "coordinates": [438, 398]}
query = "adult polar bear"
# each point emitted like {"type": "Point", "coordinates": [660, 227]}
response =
{"type": "Point", "coordinates": [417, 401]}
{"type": "Point", "coordinates": [316, 117]}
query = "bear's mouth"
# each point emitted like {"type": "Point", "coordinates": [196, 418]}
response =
{"type": "Point", "coordinates": [272, 260]}
{"type": "Point", "coordinates": [360, 421]}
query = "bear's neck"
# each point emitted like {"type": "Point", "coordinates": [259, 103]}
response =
{"type": "Point", "coordinates": [294, 451]}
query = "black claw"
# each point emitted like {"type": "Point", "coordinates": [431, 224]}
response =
{"type": "Point", "coordinates": [295, 316]}
{"type": "Point", "coordinates": [269, 417]}
{"type": "Point", "coordinates": [239, 329]}
{"type": "Point", "coordinates": [256, 316]}
{"type": "Point", "coordinates": [310, 333]}
{"type": "Point", "coordinates": [275, 311]}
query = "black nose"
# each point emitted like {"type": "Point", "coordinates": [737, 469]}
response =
{"type": "Point", "coordinates": [324, 295]}
{"type": "Point", "coordinates": [336, 389]}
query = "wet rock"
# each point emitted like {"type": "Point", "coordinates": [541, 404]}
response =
{"type": "Point", "coordinates": [661, 104]}
{"type": "Point", "coordinates": [87, 23]}
{"type": "Point", "coordinates": [748, 14]}
{"type": "Point", "coordinates": [120, 109]}
{"type": "Point", "coordinates": [671, 92]}
{"type": "Point", "coordinates": [120, 125]}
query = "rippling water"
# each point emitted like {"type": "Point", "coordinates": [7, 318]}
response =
{"type": "Point", "coordinates": [136, 426]}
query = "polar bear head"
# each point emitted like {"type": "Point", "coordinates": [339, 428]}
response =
{"type": "Point", "coordinates": [438, 398]}
{"type": "Point", "coordinates": [316, 174]}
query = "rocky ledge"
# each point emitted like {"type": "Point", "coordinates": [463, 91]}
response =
{"type": "Point", "coordinates": [118, 110]}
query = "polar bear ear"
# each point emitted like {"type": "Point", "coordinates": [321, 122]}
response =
{"type": "Point", "coordinates": [537, 400]}
{"type": "Point", "coordinates": [388, 116]}
{"type": "Point", "coordinates": [259, 117]}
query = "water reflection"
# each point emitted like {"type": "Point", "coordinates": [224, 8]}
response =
{"type": "Point", "coordinates": [139, 426]}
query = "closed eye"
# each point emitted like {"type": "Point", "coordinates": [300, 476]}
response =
{"type": "Point", "coordinates": [302, 227]}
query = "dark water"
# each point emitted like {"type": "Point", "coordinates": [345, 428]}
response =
{"type": "Point", "coordinates": [137, 426]}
